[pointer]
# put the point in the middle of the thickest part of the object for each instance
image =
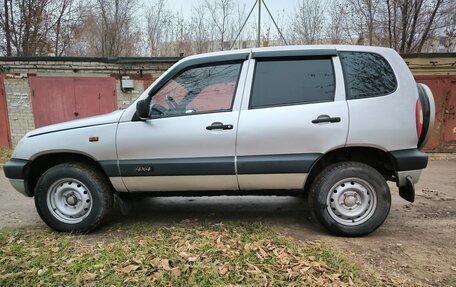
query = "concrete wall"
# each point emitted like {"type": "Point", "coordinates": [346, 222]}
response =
{"type": "Point", "coordinates": [431, 64]}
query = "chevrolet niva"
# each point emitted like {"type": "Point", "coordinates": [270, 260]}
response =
{"type": "Point", "coordinates": [333, 122]}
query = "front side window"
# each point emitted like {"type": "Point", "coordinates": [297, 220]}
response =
{"type": "Point", "coordinates": [367, 75]}
{"type": "Point", "coordinates": [291, 82]}
{"type": "Point", "coordinates": [197, 90]}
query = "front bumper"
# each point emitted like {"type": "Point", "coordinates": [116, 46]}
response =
{"type": "Point", "coordinates": [15, 170]}
{"type": "Point", "coordinates": [19, 185]}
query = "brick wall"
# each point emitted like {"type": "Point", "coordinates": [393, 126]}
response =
{"type": "Point", "coordinates": [19, 104]}
{"type": "Point", "coordinates": [16, 72]}
{"type": "Point", "coordinates": [124, 99]}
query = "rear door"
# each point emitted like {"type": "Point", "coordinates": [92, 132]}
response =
{"type": "Point", "coordinates": [295, 112]}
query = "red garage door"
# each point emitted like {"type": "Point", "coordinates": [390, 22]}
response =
{"type": "Point", "coordinates": [443, 137]}
{"type": "Point", "coordinates": [59, 99]}
{"type": "Point", "coordinates": [4, 124]}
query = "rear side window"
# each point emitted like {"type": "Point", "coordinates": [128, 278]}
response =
{"type": "Point", "coordinates": [290, 82]}
{"type": "Point", "coordinates": [367, 75]}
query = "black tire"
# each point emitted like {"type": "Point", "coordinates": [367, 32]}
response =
{"type": "Point", "coordinates": [350, 199]}
{"type": "Point", "coordinates": [73, 197]}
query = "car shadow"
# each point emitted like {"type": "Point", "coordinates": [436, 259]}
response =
{"type": "Point", "coordinates": [281, 211]}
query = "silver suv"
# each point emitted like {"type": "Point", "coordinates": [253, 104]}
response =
{"type": "Point", "coordinates": [335, 122]}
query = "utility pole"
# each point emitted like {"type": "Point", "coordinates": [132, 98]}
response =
{"type": "Point", "coordinates": [259, 24]}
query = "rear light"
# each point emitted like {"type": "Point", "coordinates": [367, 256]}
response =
{"type": "Point", "coordinates": [419, 118]}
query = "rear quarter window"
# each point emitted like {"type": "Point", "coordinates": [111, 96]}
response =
{"type": "Point", "coordinates": [367, 75]}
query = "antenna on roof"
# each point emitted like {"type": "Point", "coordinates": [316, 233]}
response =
{"type": "Point", "coordinates": [259, 23]}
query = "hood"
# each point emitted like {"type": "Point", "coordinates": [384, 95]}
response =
{"type": "Point", "coordinates": [85, 122]}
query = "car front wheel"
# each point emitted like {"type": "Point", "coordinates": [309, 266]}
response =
{"type": "Point", "coordinates": [73, 197]}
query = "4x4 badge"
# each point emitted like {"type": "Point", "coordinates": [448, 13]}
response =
{"type": "Point", "coordinates": [143, 169]}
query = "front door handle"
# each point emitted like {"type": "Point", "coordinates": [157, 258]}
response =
{"type": "Point", "coordinates": [219, 126]}
{"type": "Point", "coordinates": [325, 119]}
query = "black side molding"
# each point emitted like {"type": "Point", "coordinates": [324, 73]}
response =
{"type": "Point", "coordinates": [409, 159]}
{"type": "Point", "coordinates": [252, 164]}
{"type": "Point", "coordinates": [280, 163]}
{"type": "Point", "coordinates": [14, 168]}
{"type": "Point", "coordinates": [170, 167]}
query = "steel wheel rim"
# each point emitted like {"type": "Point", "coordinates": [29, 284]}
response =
{"type": "Point", "coordinates": [69, 200]}
{"type": "Point", "coordinates": [351, 201]}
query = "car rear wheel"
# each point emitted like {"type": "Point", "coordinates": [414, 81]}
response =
{"type": "Point", "coordinates": [350, 199]}
{"type": "Point", "coordinates": [73, 197]}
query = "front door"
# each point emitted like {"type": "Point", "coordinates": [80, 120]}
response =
{"type": "Point", "coordinates": [188, 142]}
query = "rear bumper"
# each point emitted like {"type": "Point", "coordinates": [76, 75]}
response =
{"type": "Point", "coordinates": [408, 163]}
{"type": "Point", "coordinates": [403, 175]}
{"type": "Point", "coordinates": [409, 159]}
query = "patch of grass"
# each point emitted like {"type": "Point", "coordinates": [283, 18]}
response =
{"type": "Point", "coordinates": [188, 254]}
{"type": "Point", "coordinates": [5, 154]}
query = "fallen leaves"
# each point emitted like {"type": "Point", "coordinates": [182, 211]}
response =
{"type": "Point", "coordinates": [220, 254]}
{"type": "Point", "coordinates": [165, 264]}
{"type": "Point", "coordinates": [127, 269]}
{"type": "Point", "coordinates": [223, 269]}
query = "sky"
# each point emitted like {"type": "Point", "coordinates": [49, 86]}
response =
{"type": "Point", "coordinates": [274, 6]}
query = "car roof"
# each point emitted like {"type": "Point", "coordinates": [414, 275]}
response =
{"type": "Point", "coordinates": [294, 50]}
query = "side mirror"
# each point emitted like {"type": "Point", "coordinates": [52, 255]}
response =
{"type": "Point", "coordinates": [142, 109]}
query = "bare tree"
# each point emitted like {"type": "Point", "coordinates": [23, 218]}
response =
{"type": "Point", "coordinates": [65, 14]}
{"type": "Point", "coordinates": [336, 22]}
{"type": "Point", "coordinates": [183, 36]}
{"type": "Point", "coordinates": [307, 25]}
{"type": "Point", "coordinates": [108, 28]}
{"type": "Point", "coordinates": [156, 16]}
{"type": "Point", "coordinates": [220, 12]}
{"type": "Point", "coordinates": [36, 27]}
{"type": "Point", "coordinates": [363, 14]}
{"type": "Point", "coordinates": [449, 26]}
{"type": "Point", "coordinates": [410, 23]}
{"type": "Point", "coordinates": [116, 27]}
{"type": "Point", "coordinates": [6, 28]}
{"type": "Point", "coordinates": [199, 27]}
{"type": "Point", "coordinates": [25, 26]}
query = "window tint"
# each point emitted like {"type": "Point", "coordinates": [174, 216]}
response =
{"type": "Point", "coordinates": [197, 90]}
{"type": "Point", "coordinates": [278, 83]}
{"type": "Point", "coordinates": [367, 75]}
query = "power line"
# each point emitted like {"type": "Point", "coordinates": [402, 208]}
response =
{"type": "Point", "coordinates": [259, 23]}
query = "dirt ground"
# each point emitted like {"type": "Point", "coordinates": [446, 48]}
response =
{"type": "Point", "coordinates": [415, 246]}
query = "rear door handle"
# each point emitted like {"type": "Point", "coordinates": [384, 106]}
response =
{"type": "Point", "coordinates": [326, 119]}
{"type": "Point", "coordinates": [219, 126]}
